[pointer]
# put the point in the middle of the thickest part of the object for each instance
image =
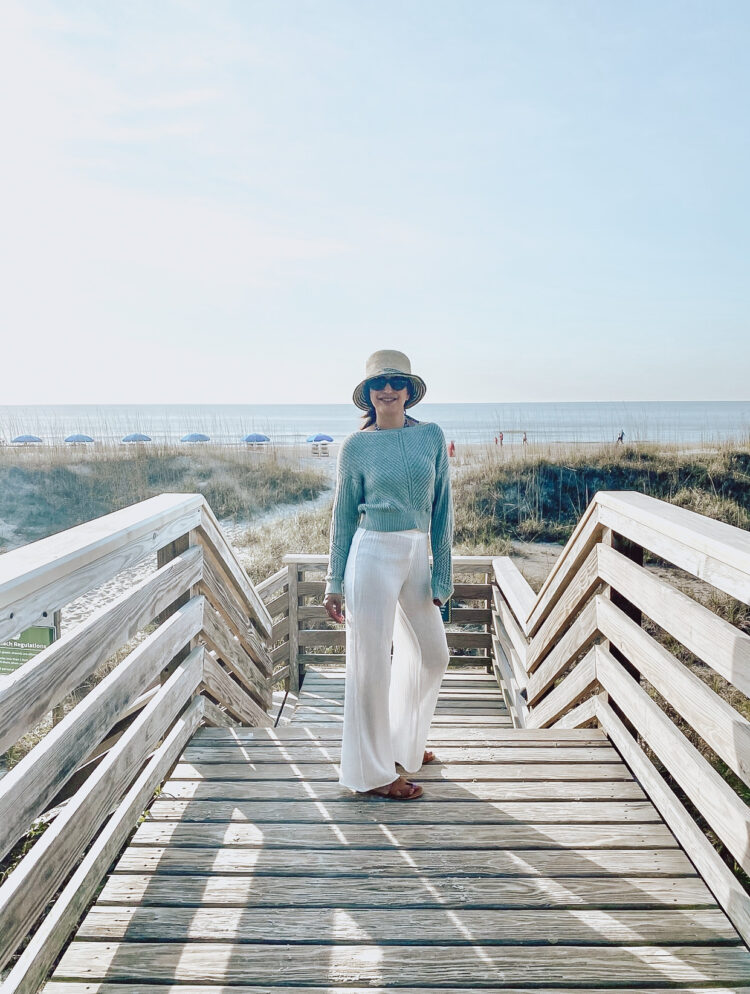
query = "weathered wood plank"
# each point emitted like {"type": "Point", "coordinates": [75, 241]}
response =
{"type": "Point", "coordinates": [96, 987]}
{"type": "Point", "coordinates": [30, 786]}
{"type": "Point", "coordinates": [709, 549]}
{"type": "Point", "coordinates": [441, 790]}
{"type": "Point", "coordinates": [591, 737]}
{"type": "Point", "coordinates": [47, 575]}
{"type": "Point", "coordinates": [29, 693]}
{"type": "Point", "coordinates": [234, 656]}
{"type": "Point", "coordinates": [232, 571]}
{"type": "Point", "coordinates": [353, 810]}
{"type": "Point", "coordinates": [724, 884]}
{"type": "Point", "coordinates": [720, 644]}
{"type": "Point", "coordinates": [566, 694]}
{"type": "Point", "coordinates": [403, 892]}
{"type": "Point", "coordinates": [390, 862]}
{"type": "Point", "coordinates": [724, 811]}
{"type": "Point", "coordinates": [399, 927]}
{"type": "Point", "coordinates": [231, 695]}
{"type": "Point", "coordinates": [44, 946]}
{"type": "Point", "coordinates": [715, 720]}
{"type": "Point", "coordinates": [472, 753]}
{"type": "Point", "coordinates": [32, 883]}
{"type": "Point", "coordinates": [363, 836]}
{"type": "Point", "coordinates": [515, 588]}
{"type": "Point", "coordinates": [233, 609]}
{"type": "Point", "coordinates": [326, 769]}
{"type": "Point", "coordinates": [217, 962]}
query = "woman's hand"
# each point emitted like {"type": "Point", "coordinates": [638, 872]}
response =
{"type": "Point", "coordinates": [332, 604]}
{"type": "Point", "coordinates": [437, 602]}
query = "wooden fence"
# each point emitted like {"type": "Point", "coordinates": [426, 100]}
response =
{"type": "Point", "coordinates": [580, 652]}
{"type": "Point", "coordinates": [303, 633]}
{"type": "Point", "coordinates": [201, 631]}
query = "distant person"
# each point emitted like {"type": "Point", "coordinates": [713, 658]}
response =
{"type": "Point", "coordinates": [495, 439]}
{"type": "Point", "coordinates": [500, 436]}
{"type": "Point", "coordinates": [525, 439]}
{"type": "Point", "coordinates": [621, 437]}
{"type": "Point", "coordinates": [393, 503]}
{"type": "Point", "coordinates": [452, 449]}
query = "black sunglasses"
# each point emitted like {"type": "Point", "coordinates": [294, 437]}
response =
{"type": "Point", "coordinates": [396, 382]}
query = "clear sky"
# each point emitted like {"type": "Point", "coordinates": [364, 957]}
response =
{"type": "Point", "coordinates": [210, 201]}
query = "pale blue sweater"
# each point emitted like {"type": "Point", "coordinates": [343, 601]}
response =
{"type": "Point", "coordinates": [389, 481]}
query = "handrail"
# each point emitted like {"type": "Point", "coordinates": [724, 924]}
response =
{"type": "Point", "coordinates": [210, 637]}
{"type": "Point", "coordinates": [578, 653]}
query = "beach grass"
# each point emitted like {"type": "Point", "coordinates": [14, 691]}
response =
{"type": "Point", "coordinates": [46, 490]}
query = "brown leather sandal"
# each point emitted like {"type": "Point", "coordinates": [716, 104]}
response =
{"type": "Point", "coordinates": [400, 790]}
{"type": "Point", "coordinates": [429, 757]}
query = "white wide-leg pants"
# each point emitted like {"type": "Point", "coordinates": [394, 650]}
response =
{"type": "Point", "coordinates": [388, 706]}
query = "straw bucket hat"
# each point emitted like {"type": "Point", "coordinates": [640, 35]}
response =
{"type": "Point", "coordinates": [388, 362]}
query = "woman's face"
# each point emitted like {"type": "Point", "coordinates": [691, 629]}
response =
{"type": "Point", "coordinates": [389, 401]}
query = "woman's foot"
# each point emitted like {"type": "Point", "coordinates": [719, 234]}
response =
{"type": "Point", "coordinates": [400, 790]}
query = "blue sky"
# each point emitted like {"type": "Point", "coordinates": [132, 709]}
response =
{"type": "Point", "coordinates": [238, 201]}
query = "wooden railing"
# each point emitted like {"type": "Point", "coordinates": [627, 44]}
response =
{"type": "Point", "coordinates": [201, 656]}
{"type": "Point", "coordinates": [302, 632]}
{"type": "Point", "coordinates": [578, 652]}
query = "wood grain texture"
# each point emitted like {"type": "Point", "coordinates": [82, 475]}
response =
{"type": "Point", "coordinates": [29, 693]}
{"type": "Point", "coordinates": [202, 861]}
{"type": "Point", "coordinates": [400, 927]}
{"type": "Point", "coordinates": [42, 950]}
{"type": "Point", "coordinates": [457, 965]}
{"type": "Point", "coordinates": [217, 891]}
{"type": "Point", "coordinates": [32, 883]}
{"type": "Point", "coordinates": [47, 575]}
{"type": "Point", "coordinates": [439, 836]}
{"type": "Point", "coordinates": [327, 769]}
{"type": "Point", "coordinates": [724, 811]}
{"type": "Point", "coordinates": [27, 790]}
{"type": "Point", "coordinates": [231, 695]}
{"type": "Point", "coordinates": [723, 883]}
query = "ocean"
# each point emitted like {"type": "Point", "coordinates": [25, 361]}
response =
{"type": "Point", "coordinates": [290, 424]}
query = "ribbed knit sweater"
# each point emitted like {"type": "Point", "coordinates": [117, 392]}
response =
{"type": "Point", "coordinates": [394, 480]}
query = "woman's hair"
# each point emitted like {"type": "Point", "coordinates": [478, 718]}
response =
{"type": "Point", "coordinates": [369, 417]}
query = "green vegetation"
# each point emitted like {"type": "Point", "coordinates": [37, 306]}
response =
{"type": "Point", "coordinates": [542, 498]}
{"type": "Point", "coordinates": [43, 492]}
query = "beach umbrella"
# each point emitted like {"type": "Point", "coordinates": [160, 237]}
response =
{"type": "Point", "coordinates": [320, 437]}
{"type": "Point", "coordinates": [25, 439]}
{"type": "Point", "coordinates": [136, 437]}
{"type": "Point", "coordinates": [79, 438]}
{"type": "Point", "coordinates": [255, 436]}
{"type": "Point", "coordinates": [195, 436]}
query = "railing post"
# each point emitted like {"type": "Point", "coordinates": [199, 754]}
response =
{"type": "Point", "coordinates": [292, 583]}
{"type": "Point", "coordinates": [164, 556]}
{"type": "Point", "coordinates": [634, 553]}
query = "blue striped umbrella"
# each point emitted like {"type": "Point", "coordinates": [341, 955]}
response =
{"type": "Point", "coordinates": [195, 436]}
{"type": "Point", "coordinates": [136, 437]}
{"type": "Point", "coordinates": [320, 437]}
{"type": "Point", "coordinates": [79, 438]}
{"type": "Point", "coordinates": [255, 436]}
{"type": "Point", "coordinates": [25, 439]}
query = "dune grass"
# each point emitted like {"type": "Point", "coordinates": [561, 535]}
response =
{"type": "Point", "coordinates": [43, 491]}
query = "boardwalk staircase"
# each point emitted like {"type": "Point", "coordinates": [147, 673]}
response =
{"type": "Point", "coordinates": [181, 828]}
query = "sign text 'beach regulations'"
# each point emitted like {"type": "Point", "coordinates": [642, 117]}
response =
{"type": "Point", "coordinates": [24, 647]}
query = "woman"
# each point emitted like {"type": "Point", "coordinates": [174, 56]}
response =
{"type": "Point", "coordinates": [393, 500]}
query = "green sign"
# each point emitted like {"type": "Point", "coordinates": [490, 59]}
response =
{"type": "Point", "coordinates": [17, 651]}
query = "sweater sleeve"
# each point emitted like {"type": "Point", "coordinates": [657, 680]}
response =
{"type": "Point", "coordinates": [345, 518]}
{"type": "Point", "coordinates": [441, 528]}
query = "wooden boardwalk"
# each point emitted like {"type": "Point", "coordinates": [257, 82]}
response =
{"type": "Point", "coordinates": [534, 860]}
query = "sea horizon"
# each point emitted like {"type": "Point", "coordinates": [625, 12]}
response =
{"type": "Point", "coordinates": [291, 424]}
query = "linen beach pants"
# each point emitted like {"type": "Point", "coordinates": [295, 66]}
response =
{"type": "Point", "coordinates": [389, 705]}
